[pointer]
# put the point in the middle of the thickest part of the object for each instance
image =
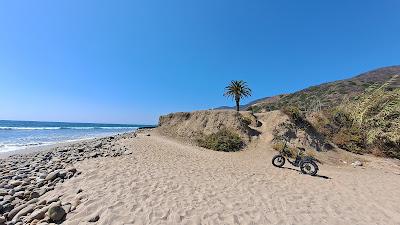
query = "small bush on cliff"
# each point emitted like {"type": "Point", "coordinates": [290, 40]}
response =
{"type": "Point", "coordinates": [293, 112]}
{"type": "Point", "coordinates": [223, 140]}
{"type": "Point", "coordinates": [246, 120]}
{"type": "Point", "coordinates": [278, 146]}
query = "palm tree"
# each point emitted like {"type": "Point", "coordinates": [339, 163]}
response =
{"type": "Point", "coordinates": [237, 90]}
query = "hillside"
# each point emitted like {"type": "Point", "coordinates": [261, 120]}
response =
{"type": "Point", "coordinates": [189, 126]}
{"type": "Point", "coordinates": [328, 94]}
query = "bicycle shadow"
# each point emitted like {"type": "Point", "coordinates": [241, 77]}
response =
{"type": "Point", "coordinates": [319, 176]}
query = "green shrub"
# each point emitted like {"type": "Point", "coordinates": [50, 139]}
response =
{"type": "Point", "coordinates": [278, 146]}
{"type": "Point", "coordinates": [254, 108]}
{"type": "Point", "coordinates": [223, 140]}
{"type": "Point", "coordinates": [246, 120]}
{"type": "Point", "coordinates": [293, 112]}
{"type": "Point", "coordinates": [351, 139]}
{"type": "Point", "coordinates": [338, 126]}
{"type": "Point", "coordinates": [387, 147]}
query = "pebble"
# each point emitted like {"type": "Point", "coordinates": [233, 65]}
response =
{"type": "Point", "coordinates": [357, 163]}
{"type": "Point", "coordinates": [67, 207]}
{"type": "Point", "coordinates": [15, 183]}
{"type": "Point", "coordinates": [24, 212]}
{"type": "Point", "coordinates": [38, 214]}
{"type": "Point", "coordinates": [2, 220]}
{"type": "Point", "coordinates": [51, 176]}
{"type": "Point", "coordinates": [3, 192]}
{"type": "Point", "coordinates": [94, 218]}
{"type": "Point", "coordinates": [24, 178]}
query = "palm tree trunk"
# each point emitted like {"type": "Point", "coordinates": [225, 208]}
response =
{"type": "Point", "coordinates": [237, 105]}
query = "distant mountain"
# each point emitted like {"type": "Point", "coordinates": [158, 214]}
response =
{"type": "Point", "coordinates": [328, 94]}
{"type": "Point", "coordinates": [243, 107]}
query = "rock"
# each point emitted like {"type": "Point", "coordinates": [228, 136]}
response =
{"type": "Point", "coordinates": [34, 194]}
{"type": "Point", "coordinates": [128, 152]}
{"type": "Point", "coordinates": [37, 214]}
{"type": "Point", "coordinates": [63, 150]}
{"type": "Point", "coordinates": [2, 220]}
{"type": "Point", "coordinates": [15, 183]}
{"type": "Point", "coordinates": [97, 144]}
{"type": "Point", "coordinates": [51, 176]}
{"type": "Point", "coordinates": [24, 212]}
{"type": "Point", "coordinates": [42, 175]}
{"type": "Point", "coordinates": [24, 178]}
{"type": "Point", "coordinates": [53, 199]}
{"type": "Point", "coordinates": [7, 207]}
{"type": "Point", "coordinates": [75, 204]}
{"type": "Point", "coordinates": [42, 191]}
{"type": "Point", "coordinates": [94, 218]}
{"type": "Point", "coordinates": [11, 192]}
{"type": "Point", "coordinates": [19, 194]}
{"type": "Point", "coordinates": [357, 163]}
{"type": "Point", "coordinates": [71, 169]}
{"type": "Point", "coordinates": [20, 207]}
{"type": "Point", "coordinates": [93, 155]}
{"type": "Point", "coordinates": [81, 149]}
{"type": "Point", "coordinates": [56, 213]}
{"type": "Point", "coordinates": [67, 207]}
{"type": "Point", "coordinates": [34, 222]}
{"type": "Point", "coordinates": [3, 192]}
{"type": "Point", "coordinates": [42, 202]}
{"type": "Point", "coordinates": [62, 173]}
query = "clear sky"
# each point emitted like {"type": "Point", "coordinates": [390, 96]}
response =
{"type": "Point", "coordinates": [130, 61]}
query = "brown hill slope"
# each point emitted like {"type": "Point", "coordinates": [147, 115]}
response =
{"type": "Point", "coordinates": [329, 94]}
{"type": "Point", "coordinates": [191, 125]}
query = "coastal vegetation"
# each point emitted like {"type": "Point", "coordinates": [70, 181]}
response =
{"type": "Point", "coordinates": [223, 140]}
{"type": "Point", "coordinates": [237, 90]}
{"type": "Point", "coordinates": [369, 123]}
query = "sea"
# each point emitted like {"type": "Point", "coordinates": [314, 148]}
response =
{"type": "Point", "coordinates": [17, 135]}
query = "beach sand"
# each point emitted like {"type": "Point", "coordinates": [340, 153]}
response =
{"type": "Point", "coordinates": [167, 182]}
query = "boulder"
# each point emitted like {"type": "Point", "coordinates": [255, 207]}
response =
{"type": "Point", "coordinates": [56, 213]}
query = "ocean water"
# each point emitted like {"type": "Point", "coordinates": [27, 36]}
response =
{"type": "Point", "coordinates": [16, 135]}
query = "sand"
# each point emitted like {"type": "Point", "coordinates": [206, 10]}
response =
{"type": "Point", "coordinates": [167, 182]}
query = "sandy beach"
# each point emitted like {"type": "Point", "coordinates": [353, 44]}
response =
{"type": "Point", "coordinates": [154, 176]}
{"type": "Point", "coordinates": [199, 112]}
{"type": "Point", "coordinates": [167, 182]}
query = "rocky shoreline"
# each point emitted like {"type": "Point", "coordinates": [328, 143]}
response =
{"type": "Point", "coordinates": [25, 178]}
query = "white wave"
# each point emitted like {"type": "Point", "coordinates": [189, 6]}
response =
{"type": "Point", "coordinates": [59, 128]}
{"type": "Point", "coordinates": [30, 128]}
{"type": "Point", "coordinates": [118, 127]}
{"type": "Point", "coordinates": [15, 146]}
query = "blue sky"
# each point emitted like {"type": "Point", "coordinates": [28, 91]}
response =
{"type": "Point", "coordinates": [131, 61]}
